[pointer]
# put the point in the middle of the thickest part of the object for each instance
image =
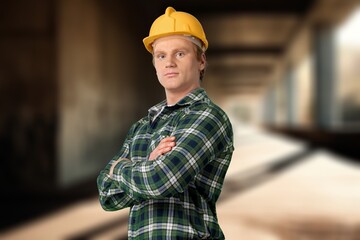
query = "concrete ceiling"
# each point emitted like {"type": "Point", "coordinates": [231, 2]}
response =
{"type": "Point", "coordinates": [247, 38]}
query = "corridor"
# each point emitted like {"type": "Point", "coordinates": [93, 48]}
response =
{"type": "Point", "coordinates": [276, 189]}
{"type": "Point", "coordinates": [74, 76]}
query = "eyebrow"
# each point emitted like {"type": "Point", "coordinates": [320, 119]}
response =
{"type": "Point", "coordinates": [172, 51]}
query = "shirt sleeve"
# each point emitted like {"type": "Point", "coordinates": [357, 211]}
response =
{"type": "Point", "coordinates": [200, 134]}
{"type": "Point", "coordinates": [111, 197]}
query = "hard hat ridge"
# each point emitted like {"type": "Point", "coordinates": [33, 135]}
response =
{"type": "Point", "coordinates": [169, 10]}
{"type": "Point", "coordinates": [175, 23]}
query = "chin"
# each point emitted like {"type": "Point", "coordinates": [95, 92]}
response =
{"type": "Point", "coordinates": [170, 86]}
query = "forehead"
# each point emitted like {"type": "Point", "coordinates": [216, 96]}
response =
{"type": "Point", "coordinates": [172, 42]}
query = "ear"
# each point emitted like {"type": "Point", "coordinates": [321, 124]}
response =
{"type": "Point", "coordinates": [202, 61]}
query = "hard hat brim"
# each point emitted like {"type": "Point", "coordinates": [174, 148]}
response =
{"type": "Point", "coordinates": [148, 41]}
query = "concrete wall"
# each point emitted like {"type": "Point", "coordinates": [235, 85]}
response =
{"type": "Point", "coordinates": [102, 65]}
{"type": "Point", "coordinates": [28, 93]}
{"type": "Point", "coordinates": [74, 77]}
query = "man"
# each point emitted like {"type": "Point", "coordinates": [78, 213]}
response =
{"type": "Point", "coordinates": [172, 165]}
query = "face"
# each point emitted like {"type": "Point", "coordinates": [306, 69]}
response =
{"type": "Point", "coordinates": [177, 66]}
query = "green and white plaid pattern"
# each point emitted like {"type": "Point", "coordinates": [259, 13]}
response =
{"type": "Point", "coordinates": [174, 196]}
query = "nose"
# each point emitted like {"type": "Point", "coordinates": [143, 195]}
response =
{"type": "Point", "coordinates": [170, 62]}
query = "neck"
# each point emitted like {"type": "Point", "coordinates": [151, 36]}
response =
{"type": "Point", "coordinates": [173, 97]}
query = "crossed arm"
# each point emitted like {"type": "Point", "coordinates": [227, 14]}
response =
{"type": "Point", "coordinates": [112, 198]}
{"type": "Point", "coordinates": [164, 146]}
{"type": "Point", "coordinates": [198, 136]}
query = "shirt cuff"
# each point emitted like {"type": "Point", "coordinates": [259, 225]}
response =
{"type": "Point", "coordinates": [113, 165]}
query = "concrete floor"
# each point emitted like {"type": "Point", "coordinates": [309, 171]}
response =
{"type": "Point", "coordinates": [276, 189]}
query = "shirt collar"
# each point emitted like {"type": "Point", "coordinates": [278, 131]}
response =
{"type": "Point", "coordinates": [194, 96]}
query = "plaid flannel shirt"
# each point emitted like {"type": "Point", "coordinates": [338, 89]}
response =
{"type": "Point", "coordinates": [173, 196]}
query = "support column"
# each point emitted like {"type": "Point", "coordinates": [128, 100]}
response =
{"type": "Point", "coordinates": [269, 107]}
{"type": "Point", "coordinates": [325, 78]}
{"type": "Point", "coordinates": [291, 95]}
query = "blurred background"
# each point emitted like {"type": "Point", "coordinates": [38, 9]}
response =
{"type": "Point", "coordinates": [74, 76]}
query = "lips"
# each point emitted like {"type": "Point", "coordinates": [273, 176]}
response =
{"type": "Point", "coordinates": [171, 74]}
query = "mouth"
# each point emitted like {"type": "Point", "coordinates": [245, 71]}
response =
{"type": "Point", "coordinates": [171, 74]}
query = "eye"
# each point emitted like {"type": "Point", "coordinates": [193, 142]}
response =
{"type": "Point", "coordinates": [180, 54]}
{"type": "Point", "coordinates": [160, 56]}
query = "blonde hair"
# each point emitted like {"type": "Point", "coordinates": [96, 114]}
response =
{"type": "Point", "coordinates": [199, 53]}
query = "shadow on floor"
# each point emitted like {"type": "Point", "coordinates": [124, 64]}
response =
{"type": "Point", "coordinates": [250, 178]}
{"type": "Point", "coordinates": [24, 205]}
{"type": "Point", "coordinates": [241, 182]}
{"type": "Point", "coordinates": [90, 234]}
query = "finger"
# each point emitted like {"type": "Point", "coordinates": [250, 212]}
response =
{"type": "Point", "coordinates": [166, 145]}
{"type": "Point", "coordinates": [168, 139]}
{"type": "Point", "coordinates": [165, 150]}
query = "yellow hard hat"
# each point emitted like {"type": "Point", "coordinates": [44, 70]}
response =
{"type": "Point", "coordinates": [172, 23]}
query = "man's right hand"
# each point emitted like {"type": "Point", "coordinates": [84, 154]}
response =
{"type": "Point", "coordinates": [164, 146]}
